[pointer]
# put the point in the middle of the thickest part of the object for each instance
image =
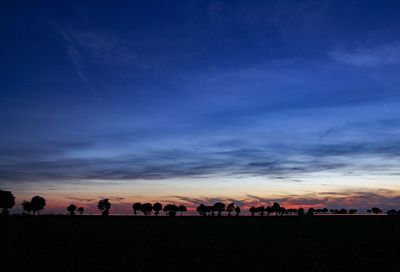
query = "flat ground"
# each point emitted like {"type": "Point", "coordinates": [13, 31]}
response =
{"type": "Point", "coordinates": [85, 243]}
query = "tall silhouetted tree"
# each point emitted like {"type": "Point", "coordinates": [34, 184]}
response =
{"type": "Point", "coordinates": [71, 209]}
{"type": "Point", "coordinates": [137, 207]}
{"type": "Point", "coordinates": [376, 210]}
{"type": "Point", "coordinates": [81, 210]}
{"type": "Point", "coordinates": [237, 210]}
{"type": "Point", "coordinates": [7, 201]}
{"type": "Point", "coordinates": [27, 206]}
{"type": "Point", "coordinates": [104, 206]}
{"type": "Point", "coordinates": [311, 212]}
{"type": "Point", "coordinates": [230, 208]}
{"type": "Point", "coordinates": [268, 209]}
{"type": "Point", "coordinates": [202, 210]}
{"type": "Point", "coordinates": [300, 212]}
{"type": "Point", "coordinates": [260, 210]}
{"type": "Point", "coordinates": [276, 208]}
{"type": "Point", "coordinates": [253, 210]}
{"type": "Point", "coordinates": [352, 211]}
{"type": "Point", "coordinates": [157, 207]}
{"type": "Point", "coordinates": [170, 209]}
{"type": "Point", "coordinates": [219, 207]}
{"type": "Point", "coordinates": [146, 208]}
{"type": "Point", "coordinates": [182, 209]}
{"type": "Point", "coordinates": [38, 203]}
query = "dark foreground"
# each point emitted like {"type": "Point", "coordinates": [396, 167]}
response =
{"type": "Point", "coordinates": [329, 243]}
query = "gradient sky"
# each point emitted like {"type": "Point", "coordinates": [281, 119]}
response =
{"type": "Point", "coordinates": [199, 101]}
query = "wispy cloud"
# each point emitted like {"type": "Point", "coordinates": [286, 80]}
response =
{"type": "Point", "coordinates": [386, 54]}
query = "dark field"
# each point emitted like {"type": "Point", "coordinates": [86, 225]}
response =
{"type": "Point", "coordinates": [325, 243]}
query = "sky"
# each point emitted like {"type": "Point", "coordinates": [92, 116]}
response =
{"type": "Point", "coordinates": [194, 102]}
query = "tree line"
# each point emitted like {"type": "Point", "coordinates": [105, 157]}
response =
{"type": "Point", "coordinates": [38, 203]}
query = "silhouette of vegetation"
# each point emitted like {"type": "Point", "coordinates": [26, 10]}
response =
{"type": "Point", "coordinates": [157, 207]}
{"type": "Point", "coordinates": [104, 206]}
{"type": "Point", "coordinates": [310, 212]}
{"type": "Point", "coordinates": [38, 203]}
{"type": "Point", "coordinates": [71, 209]}
{"type": "Point", "coordinates": [252, 210]}
{"type": "Point", "coordinates": [376, 210]}
{"type": "Point", "coordinates": [80, 210]}
{"type": "Point", "coordinates": [260, 210]}
{"type": "Point", "coordinates": [301, 212]}
{"type": "Point", "coordinates": [182, 209]}
{"type": "Point", "coordinates": [27, 206]}
{"type": "Point", "coordinates": [393, 212]}
{"type": "Point", "coordinates": [237, 210]}
{"type": "Point", "coordinates": [146, 209]}
{"type": "Point", "coordinates": [219, 207]}
{"type": "Point", "coordinates": [352, 211]}
{"type": "Point", "coordinates": [202, 210]}
{"type": "Point", "coordinates": [171, 209]}
{"type": "Point", "coordinates": [137, 207]}
{"type": "Point", "coordinates": [230, 208]}
{"type": "Point", "coordinates": [7, 201]}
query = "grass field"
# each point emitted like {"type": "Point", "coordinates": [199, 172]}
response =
{"type": "Point", "coordinates": [321, 243]}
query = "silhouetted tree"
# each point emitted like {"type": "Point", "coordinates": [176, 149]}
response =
{"type": "Point", "coordinates": [369, 211]}
{"type": "Point", "coordinates": [253, 211]}
{"type": "Point", "coordinates": [376, 210]}
{"type": "Point", "coordinates": [137, 207]}
{"type": "Point", "coordinates": [352, 211]}
{"type": "Point", "coordinates": [276, 208]}
{"type": "Point", "coordinates": [157, 207]}
{"type": "Point", "coordinates": [202, 210]}
{"type": "Point", "coordinates": [219, 207]}
{"type": "Point", "coordinates": [230, 208]}
{"type": "Point", "coordinates": [260, 210]}
{"type": "Point", "coordinates": [268, 209]}
{"type": "Point", "coordinates": [170, 209]}
{"type": "Point", "coordinates": [182, 209]}
{"type": "Point", "coordinates": [7, 201]}
{"type": "Point", "coordinates": [237, 210]}
{"type": "Point", "coordinates": [300, 212]}
{"type": "Point", "coordinates": [80, 210]}
{"type": "Point", "coordinates": [146, 208]}
{"type": "Point", "coordinates": [310, 212]}
{"type": "Point", "coordinates": [38, 203]}
{"type": "Point", "coordinates": [392, 212]}
{"type": "Point", "coordinates": [104, 206]}
{"type": "Point", "coordinates": [71, 209]}
{"type": "Point", "coordinates": [27, 206]}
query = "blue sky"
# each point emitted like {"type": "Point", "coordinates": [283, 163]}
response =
{"type": "Point", "coordinates": [201, 100]}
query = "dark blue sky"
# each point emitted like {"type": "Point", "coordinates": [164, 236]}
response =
{"type": "Point", "coordinates": [180, 99]}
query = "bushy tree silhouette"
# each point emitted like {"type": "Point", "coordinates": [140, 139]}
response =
{"type": "Point", "coordinates": [230, 208]}
{"type": "Point", "coordinates": [237, 210]}
{"type": "Point", "coordinates": [71, 209]}
{"type": "Point", "coordinates": [300, 212]}
{"type": "Point", "coordinates": [104, 206]}
{"type": "Point", "coordinates": [260, 210]}
{"type": "Point", "coordinates": [310, 212]}
{"type": "Point", "coordinates": [146, 208]}
{"type": "Point", "coordinates": [81, 210]}
{"type": "Point", "coordinates": [170, 209]}
{"type": "Point", "coordinates": [352, 211]}
{"type": "Point", "coordinates": [137, 207]}
{"type": "Point", "coordinates": [392, 212]}
{"type": "Point", "coordinates": [27, 206]}
{"type": "Point", "coordinates": [7, 201]}
{"type": "Point", "coordinates": [38, 203]}
{"type": "Point", "coordinates": [253, 210]}
{"type": "Point", "coordinates": [376, 210]}
{"type": "Point", "coordinates": [182, 209]}
{"type": "Point", "coordinates": [202, 210]}
{"type": "Point", "coordinates": [157, 207]}
{"type": "Point", "coordinates": [276, 208]}
{"type": "Point", "coordinates": [219, 207]}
